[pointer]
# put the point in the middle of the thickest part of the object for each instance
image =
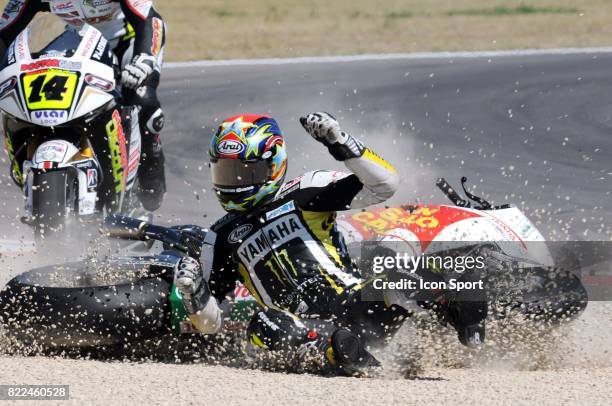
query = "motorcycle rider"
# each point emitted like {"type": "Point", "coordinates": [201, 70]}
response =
{"type": "Point", "coordinates": [280, 239]}
{"type": "Point", "coordinates": [136, 32]}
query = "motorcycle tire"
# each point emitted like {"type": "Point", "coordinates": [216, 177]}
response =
{"type": "Point", "coordinates": [555, 296]}
{"type": "Point", "coordinates": [68, 307]}
{"type": "Point", "coordinates": [562, 297]}
{"type": "Point", "coordinates": [52, 193]}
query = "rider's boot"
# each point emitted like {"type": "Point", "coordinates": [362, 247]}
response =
{"type": "Point", "coordinates": [151, 174]}
{"type": "Point", "coordinates": [341, 351]}
{"type": "Point", "coordinates": [465, 310]}
{"type": "Point", "coordinates": [348, 355]}
{"type": "Point", "coordinates": [468, 319]}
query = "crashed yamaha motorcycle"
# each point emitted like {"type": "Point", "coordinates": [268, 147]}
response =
{"type": "Point", "coordinates": [74, 148]}
{"type": "Point", "coordinates": [119, 300]}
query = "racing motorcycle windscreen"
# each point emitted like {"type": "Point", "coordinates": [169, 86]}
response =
{"type": "Point", "coordinates": [234, 172]}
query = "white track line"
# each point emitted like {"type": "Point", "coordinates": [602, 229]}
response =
{"type": "Point", "coordinates": [14, 247]}
{"type": "Point", "coordinates": [385, 57]}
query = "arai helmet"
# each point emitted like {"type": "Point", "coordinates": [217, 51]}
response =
{"type": "Point", "coordinates": [248, 161]}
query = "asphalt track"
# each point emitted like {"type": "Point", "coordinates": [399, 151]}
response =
{"type": "Point", "coordinates": [530, 130]}
{"type": "Point", "coordinates": [533, 130]}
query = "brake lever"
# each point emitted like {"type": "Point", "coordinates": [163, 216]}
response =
{"type": "Point", "coordinates": [448, 190]}
{"type": "Point", "coordinates": [124, 227]}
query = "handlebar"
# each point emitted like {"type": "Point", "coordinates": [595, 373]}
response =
{"type": "Point", "coordinates": [128, 228]}
{"type": "Point", "coordinates": [457, 200]}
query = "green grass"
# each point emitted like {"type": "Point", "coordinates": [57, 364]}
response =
{"type": "Point", "coordinates": [208, 29]}
{"type": "Point", "coordinates": [227, 13]}
{"type": "Point", "coordinates": [397, 15]}
{"type": "Point", "coordinates": [509, 11]}
{"type": "Point", "coordinates": [486, 12]}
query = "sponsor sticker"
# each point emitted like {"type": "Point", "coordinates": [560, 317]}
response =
{"type": "Point", "coordinates": [239, 233]}
{"type": "Point", "coordinates": [49, 117]}
{"type": "Point", "coordinates": [96, 3]}
{"type": "Point", "coordinates": [21, 46]}
{"type": "Point", "coordinates": [11, 54]}
{"type": "Point", "coordinates": [187, 327]}
{"type": "Point", "coordinates": [118, 150]}
{"type": "Point", "coordinates": [230, 147]}
{"type": "Point", "coordinates": [241, 293]}
{"type": "Point", "coordinates": [291, 183]}
{"type": "Point", "coordinates": [88, 43]}
{"type": "Point", "coordinates": [11, 12]}
{"type": "Point", "coordinates": [87, 204]}
{"type": "Point", "coordinates": [92, 178]}
{"type": "Point", "coordinates": [67, 5]}
{"type": "Point", "coordinates": [279, 211]}
{"type": "Point", "coordinates": [290, 186]}
{"type": "Point", "coordinates": [51, 63]}
{"type": "Point", "coordinates": [140, 7]}
{"type": "Point", "coordinates": [272, 235]}
{"type": "Point", "coordinates": [158, 35]}
{"type": "Point", "coordinates": [52, 151]}
{"type": "Point", "coordinates": [50, 114]}
{"type": "Point", "coordinates": [99, 83]}
{"type": "Point", "coordinates": [526, 228]}
{"type": "Point", "coordinates": [7, 86]}
{"type": "Point", "coordinates": [99, 51]}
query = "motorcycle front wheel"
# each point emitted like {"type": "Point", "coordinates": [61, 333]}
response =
{"type": "Point", "coordinates": [53, 194]}
{"type": "Point", "coordinates": [86, 304]}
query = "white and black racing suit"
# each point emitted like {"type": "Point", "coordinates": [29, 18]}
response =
{"type": "Point", "coordinates": [133, 27]}
{"type": "Point", "coordinates": [294, 261]}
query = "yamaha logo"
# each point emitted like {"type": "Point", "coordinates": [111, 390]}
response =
{"type": "Point", "coordinates": [239, 233]}
{"type": "Point", "coordinates": [230, 147]}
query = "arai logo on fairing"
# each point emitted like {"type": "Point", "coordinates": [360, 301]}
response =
{"type": "Point", "coordinates": [239, 233]}
{"type": "Point", "coordinates": [230, 147]}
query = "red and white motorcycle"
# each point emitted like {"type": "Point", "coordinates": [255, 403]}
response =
{"type": "Point", "coordinates": [42, 305]}
{"type": "Point", "coordinates": [74, 148]}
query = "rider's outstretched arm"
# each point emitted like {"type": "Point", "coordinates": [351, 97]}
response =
{"type": "Point", "coordinates": [16, 17]}
{"type": "Point", "coordinates": [148, 26]}
{"type": "Point", "coordinates": [373, 181]}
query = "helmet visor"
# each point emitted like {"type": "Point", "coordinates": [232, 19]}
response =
{"type": "Point", "coordinates": [234, 172]}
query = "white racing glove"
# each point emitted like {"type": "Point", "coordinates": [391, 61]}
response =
{"type": "Point", "coordinates": [380, 180]}
{"type": "Point", "coordinates": [203, 309]}
{"type": "Point", "coordinates": [324, 128]}
{"type": "Point", "coordinates": [136, 72]}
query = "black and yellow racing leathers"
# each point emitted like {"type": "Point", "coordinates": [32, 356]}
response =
{"type": "Point", "coordinates": [294, 261]}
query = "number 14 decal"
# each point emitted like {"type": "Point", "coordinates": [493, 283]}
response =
{"type": "Point", "coordinates": [50, 90]}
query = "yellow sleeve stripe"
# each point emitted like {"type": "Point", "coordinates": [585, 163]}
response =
{"type": "Point", "coordinates": [246, 279]}
{"type": "Point", "coordinates": [339, 290]}
{"type": "Point", "coordinates": [373, 157]}
{"type": "Point", "coordinates": [257, 341]}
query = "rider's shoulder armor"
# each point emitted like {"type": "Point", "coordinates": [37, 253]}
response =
{"type": "Point", "coordinates": [313, 179]}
